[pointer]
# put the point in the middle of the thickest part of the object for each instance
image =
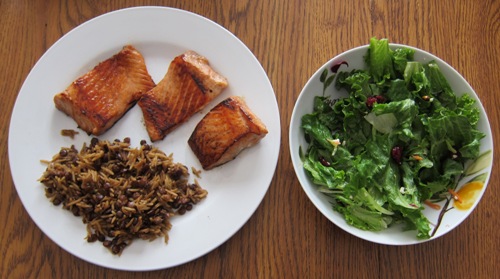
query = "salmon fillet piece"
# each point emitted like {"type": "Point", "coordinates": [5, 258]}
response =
{"type": "Point", "coordinates": [225, 131]}
{"type": "Point", "coordinates": [188, 86]}
{"type": "Point", "coordinates": [103, 95]}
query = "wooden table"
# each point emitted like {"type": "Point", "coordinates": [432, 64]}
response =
{"type": "Point", "coordinates": [286, 237]}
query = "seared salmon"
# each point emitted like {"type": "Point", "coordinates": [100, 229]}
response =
{"type": "Point", "coordinates": [188, 86]}
{"type": "Point", "coordinates": [225, 131]}
{"type": "Point", "coordinates": [102, 96]}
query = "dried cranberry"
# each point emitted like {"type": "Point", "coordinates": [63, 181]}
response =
{"type": "Point", "coordinates": [374, 99]}
{"type": "Point", "coordinates": [380, 99]}
{"type": "Point", "coordinates": [324, 162]}
{"type": "Point", "coordinates": [336, 66]}
{"type": "Point", "coordinates": [397, 154]}
{"type": "Point", "coordinates": [370, 101]}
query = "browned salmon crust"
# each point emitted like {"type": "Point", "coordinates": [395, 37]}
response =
{"type": "Point", "coordinates": [224, 132]}
{"type": "Point", "coordinates": [187, 87]}
{"type": "Point", "coordinates": [102, 96]}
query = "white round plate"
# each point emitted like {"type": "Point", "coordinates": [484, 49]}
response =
{"type": "Point", "coordinates": [395, 234]}
{"type": "Point", "coordinates": [235, 189]}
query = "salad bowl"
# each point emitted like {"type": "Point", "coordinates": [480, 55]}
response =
{"type": "Point", "coordinates": [443, 214]}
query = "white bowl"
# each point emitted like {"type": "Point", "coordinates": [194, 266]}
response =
{"type": "Point", "coordinates": [394, 235]}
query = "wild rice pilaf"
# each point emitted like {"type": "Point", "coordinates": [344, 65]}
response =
{"type": "Point", "coordinates": [122, 193]}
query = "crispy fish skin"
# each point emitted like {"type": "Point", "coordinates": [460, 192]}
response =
{"type": "Point", "coordinates": [103, 95]}
{"type": "Point", "coordinates": [188, 86]}
{"type": "Point", "coordinates": [225, 131]}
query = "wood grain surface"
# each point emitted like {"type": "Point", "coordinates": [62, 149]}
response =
{"type": "Point", "coordinates": [286, 237]}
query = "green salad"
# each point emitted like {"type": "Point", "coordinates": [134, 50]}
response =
{"type": "Point", "coordinates": [400, 138]}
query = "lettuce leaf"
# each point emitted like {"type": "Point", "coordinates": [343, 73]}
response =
{"type": "Point", "coordinates": [401, 56]}
{"type": "Point", "coordinates": [379, 60]}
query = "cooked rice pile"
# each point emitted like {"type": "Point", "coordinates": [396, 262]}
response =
{"type": "Point", "coordinates": [122, 193]}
